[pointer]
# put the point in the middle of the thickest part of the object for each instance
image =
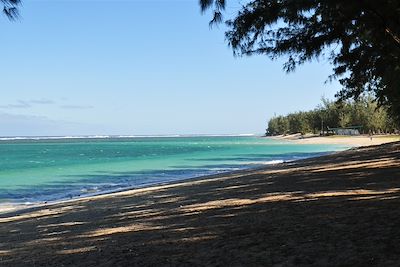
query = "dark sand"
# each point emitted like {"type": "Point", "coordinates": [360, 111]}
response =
{"type": "Point", "coordinates": [337, 210]}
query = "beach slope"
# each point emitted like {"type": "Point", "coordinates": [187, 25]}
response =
{"type": "Point", "coordinates": [337, 210]}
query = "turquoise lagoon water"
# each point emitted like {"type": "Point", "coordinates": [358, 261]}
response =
{"type": "Point", "coordinates": [40, 169]}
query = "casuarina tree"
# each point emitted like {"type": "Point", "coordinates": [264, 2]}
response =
{"type": "Point", "coordinates": [10, 8]}
{"type": "Point", "coordinates": [360, 38]}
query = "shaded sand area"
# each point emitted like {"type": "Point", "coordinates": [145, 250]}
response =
{"type": "Point", "coordinates": [337, 210]}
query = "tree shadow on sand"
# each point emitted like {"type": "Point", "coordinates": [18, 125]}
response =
{"type": "Point", "coordinates": [336, 210]}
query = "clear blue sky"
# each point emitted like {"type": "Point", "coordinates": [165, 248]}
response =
{"type": "Point", "coordinates": [139, 67]}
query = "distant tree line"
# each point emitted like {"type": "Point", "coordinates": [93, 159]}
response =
{"type": "Point", "coordinates": [364, 112]}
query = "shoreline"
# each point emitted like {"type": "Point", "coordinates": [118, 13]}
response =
{"type": "Point", "coordinates": [325, 211]}
{"type": "Point", "coordinates": [10, 206]}
{"type": "Point", "coordinates": [21, 208]}
{"type": "Point", "coordinates": [17, 208]}
{"type": "Point", "coordinates": [352, 142]}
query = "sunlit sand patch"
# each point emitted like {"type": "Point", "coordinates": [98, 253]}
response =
{"type": "Point", "coordinates": [184, 239]}
{"type": "Point", "coordinates": [280, 171]}
{"type": "Point", "coordinates": [351, 164]}
{"type": "Point", "coordinates": [41, 213]}
{"type": "Point", "coordinates": [164, 196]}
{"type": "Point", "coordinates": [120, 230]}
{"type": "Point", "coordinates": [352, 193]}
{"type": "Point", "coordinates": [130, 207]}
{"type": "Point", "coordinates": [5, 252]}
{"type": "Point", "coordinates": [347, 140]}
{"type": "Point", "coordinates": [359, 194]}
{"type": "Point", "coordinates": [76, 250]}
{"type": "Point", "coordinates": [136, 214]}
{"type": "Point", "coordinates": [232, 187]}
{"type": "Point", "coordinates": [61, 224]}
{"type": "Point", "coordinates": [57, 233]}
{"type": "Point", "coordinates": [42, 240]}
{"type": "Point", "coordinates": [183, 229]}
{"type": "Point", "coordinates": [170, 200]}
{"type": "Point", "coordinates": [389, 197]}
{"type": "Point", "coordinates": [216, 204]}
{"type": "Point", "coordinates": [355, 165]}
{"type": "Point", "coordinates": [293, 196]}
{"type": "Point", "coordinates": [367, 197]}
{"type": "Point", "coordinates": [198, 238]}
{"type": "Point", "coordinates": [4, 208]}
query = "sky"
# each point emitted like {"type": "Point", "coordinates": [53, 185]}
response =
{"type": "Point", "coordinates": [79, 67]}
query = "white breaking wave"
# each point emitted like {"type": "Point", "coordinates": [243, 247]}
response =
{"type": "Point", "coordinates": [13, 138]}
{"type": "Point", "coordinates": [50, 137]}
{"type": "Point", "coordinates": [270, 162]}
{"type": "Point", "coordinates": [273, 162]}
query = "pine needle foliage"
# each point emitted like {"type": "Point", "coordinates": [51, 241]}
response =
{"type": "Point", "coordinates": [360, 38]}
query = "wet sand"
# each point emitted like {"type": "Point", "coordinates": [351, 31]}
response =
{"type": "Point", "coordinates": [336, 210]}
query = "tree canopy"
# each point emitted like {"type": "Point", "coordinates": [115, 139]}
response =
{"type": "Point", "coordinates": [360, 38]}
{"type": "Point", "coordinates": [10, 8]}
{"type": "Point", "coordinates": [364, 113]}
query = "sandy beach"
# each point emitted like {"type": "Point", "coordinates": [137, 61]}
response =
{"type": "Point", "coordinates": [353, 141]}
{"type": "Point", "coordinates": [336, 210]}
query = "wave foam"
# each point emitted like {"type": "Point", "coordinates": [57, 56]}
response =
{"type": "Point", "coordinates": [15, 138]}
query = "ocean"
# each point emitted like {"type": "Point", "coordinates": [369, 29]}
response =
{"type": "Point", "coordinates": [35, 170]}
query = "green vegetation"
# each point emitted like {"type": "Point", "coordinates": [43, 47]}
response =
{"type": "Point", "coordinates": [10, 8]}
{"type": "Point", "coordinates": [363, 112]}
{"type": "Point", "coordinates": [361, 39]}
